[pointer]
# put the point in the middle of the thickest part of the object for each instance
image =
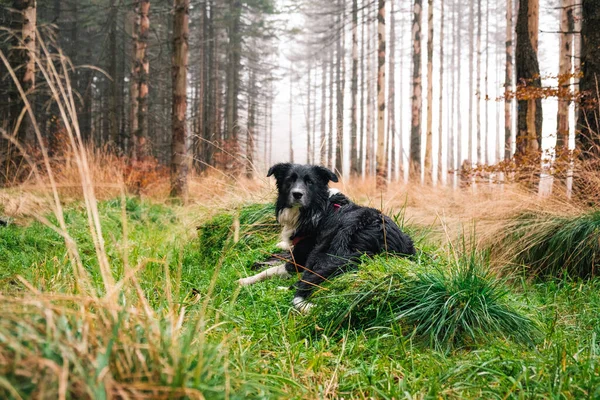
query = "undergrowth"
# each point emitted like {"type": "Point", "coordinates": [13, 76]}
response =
{"type": "Point", "coordinates": [555, 246]}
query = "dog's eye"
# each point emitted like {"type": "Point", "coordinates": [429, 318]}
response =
{"type": "Point", "coordinates": [308, 181]}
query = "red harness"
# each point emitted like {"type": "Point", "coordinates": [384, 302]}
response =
{"type": "Point", "coordinates": [298, 239]}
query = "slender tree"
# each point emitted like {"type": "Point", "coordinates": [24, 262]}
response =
{"type": "Point", "coordinates": [24, 62]}
{"type": "Point", "coordinates": [354, 168]}
{"type": "Point", "coordinates": [567, 25]}
{"type": "Point", "coordinates": [381, 155]}
{"type": "Point", "coordinates": [179, 158]}
{"type": "Point", "coordinates": [417, 95]}
{"type": "Point", "coordinates": [441, 99]}
{"type": "Point", "coordinates": [142, 65]}
{"type": "Point", "coordinates": [588, 122]}
{"type": "Point", "coordinates": [429, 137]}
{"type": "Point", "coordinates": [508, 82]}
{"type": "Point", "coordinates": [391, 127]}
{"type": "Point", "coordinates": [529, 118]}
{"type": "Point", "coordinates": [478, 83]}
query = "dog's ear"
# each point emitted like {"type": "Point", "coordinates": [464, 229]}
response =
{"type": "Point", "coordinates": [326, 174]}
{"type": "Point", "coordinates": [279, 170]}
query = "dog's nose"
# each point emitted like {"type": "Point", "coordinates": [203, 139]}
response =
{"type": "Point", "coordinates": [297, 195]}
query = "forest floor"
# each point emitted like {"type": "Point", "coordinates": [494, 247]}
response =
{"type": "Point", "coordinates": [174, 323]}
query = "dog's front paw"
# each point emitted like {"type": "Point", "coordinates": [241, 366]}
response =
{"type": "Point", "coordinates": [245, 281]}
{"type": "Point", "coordinates": [284, 245]}
{"type": "Point", "coordinates": [302, 305]}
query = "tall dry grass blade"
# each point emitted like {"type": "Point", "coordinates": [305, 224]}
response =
{"type": "Point", "coordinates": [58, 210]}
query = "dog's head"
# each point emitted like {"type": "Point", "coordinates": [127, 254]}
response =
{"type": "Point", "coordinates": [301, 185]}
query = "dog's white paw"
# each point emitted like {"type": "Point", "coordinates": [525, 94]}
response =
{"type": "Point", "coordinates": [302, 305]}
{"type": "Point", "coordinates": [245, 281]}
{"type": "Point", "coordinates": [283, 245]}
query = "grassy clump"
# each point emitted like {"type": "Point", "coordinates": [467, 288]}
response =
{"type": "Point", "coordinates": [555, 246]}
{"type": "Point", "coordinates": [463, 306]}
{"type": "Point", "coordinates": [449, 304]}
{"type": "Point", "coordinates": [94, 351]}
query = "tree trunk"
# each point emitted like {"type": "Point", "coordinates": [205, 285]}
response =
{"type": "Point", "coordinates": [588, 121]}
{"type": "Point", "coordinates": [471, 83]}
{"type": "Point", "coordinates": [308, 116]}
{"type": "Point", "coordinates": [354, 168]}
{"type": "Point", "coordinates": [143, 71]}
{"type": "Point", "coordinates": [179, 159]}
{"type": "Point", "coordinates": [508, 86]}
{"type": "Point", "coordinates": [441, 99]}
{"type": "Point", "coordinates": [564, 77]}
{"type": "Point", "coordinates": [135, 80]}
{"type": "Point", "coordinates": [478, 83]}
{"type": "Point", "coordinates": [339, 143]}
{"type": "Point", "coordinates": [198, 143]}
{"type": "Point", "coordinates": [363, 78]}
{"type": "Point", "coordinates": [529, 119]}
{"type": "Point", "coordinates": [417, 92]}
{"type": "Point", "coordinates": [251, 123]}
{"type": "Point", "coordinates": [234, 50]}
{"type": "Point", "coordinates": [429, 137]}
{"type": "Point", "coordinates": [291, 116]}
{"type": "Point", "coordinates": [391, 131]}
{"type": "Point", "coordinates": [381, 155]}
{"type": "Point", "coordinates": [453, 105]}
{"type": "Point", "coordinates": [323, 145]}
{"type": "Point", "coordinates": [24, 65]}
{"type": "Point", "coordinates": [112, 70]}
{"type": "Point", "coordinates": [330, 160]}
{"type": "Point", "coordinates": [369, 131]}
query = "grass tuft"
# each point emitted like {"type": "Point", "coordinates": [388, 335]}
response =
{"type": "Point", "coordinates": [463, 306]}
{"type": "Point", "coordinates": [556, 246]}
{"type": "Point", "coordinates": [449, 304]}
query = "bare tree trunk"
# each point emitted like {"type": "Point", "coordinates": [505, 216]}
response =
{"type": "Point", "coordinates": [589, 119]}
{"type": "Point", "coordinates": [508, 85]}
{"type": "Point", "coordinates": [391, 128]}
{"type": "Point", "coordinates": [417, 92]}
{"type": "Point", "coordinates": [198, 143]}
{"type": "Point", "coordinates": [369, 134]}
{"type": "Point", "coordinates": [142, 66]}
{"type": "Point", "coordinates": [309, 116]}
{"type": "Point", "coordinates": [339, 143]}
{"type": "Point", "coordinates": [486, 125]}
{"type": "Point", "coordinates": [323, 145]}
{"type": "Point", "coordinates": [354, 168]}
{"type": "Point", "coordinates": [330, 160]}
{"type": "Point", "coordinates": [564, 76]}
{"type": "Point", "coordinates": [363, 78]}
{"type": "Point", "coordinates": [381, 156]}
{"type": "Point", "coordinates": [471, 94]}
{"type": "Point", "coordinates": [25, 68]}
{"type": "Point", "coordinates": [429, 137]}
{"type": "Point", "coordinates": [441, 99]}
{"type": "Point", "coordinates": [291, 115]}
{"type": "Point", "coordinates": [478, 83]}
{"type": "Point", "coordinates": [453, 105]}
{"type": "Point", "coordinates": [529, 121]}
{"type": "Point", "coordinates": [135, 79]}
{"type": "Point", "coordinates": [251, 123]}
{"type": "Point", "coordinates": [179, 159]}
{"type": "Point", "coordinates": [112, 70]}
{"type": "Point", "coordinates": [459, 106]}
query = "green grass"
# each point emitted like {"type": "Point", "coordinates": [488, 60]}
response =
{"type": "Point", "coordinates": [556, 246]}
{"type": "Point", "coordinates": [374, 334]}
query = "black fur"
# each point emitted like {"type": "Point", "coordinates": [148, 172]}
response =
{"type": "Point", "coordinates": [332, 232]}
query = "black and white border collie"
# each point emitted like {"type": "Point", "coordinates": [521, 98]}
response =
{"type": "Point", "coordinates": [325, 231]}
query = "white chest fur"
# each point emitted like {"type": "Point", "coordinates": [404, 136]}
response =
{"type": "Point", "coordinates": [288, 219]}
